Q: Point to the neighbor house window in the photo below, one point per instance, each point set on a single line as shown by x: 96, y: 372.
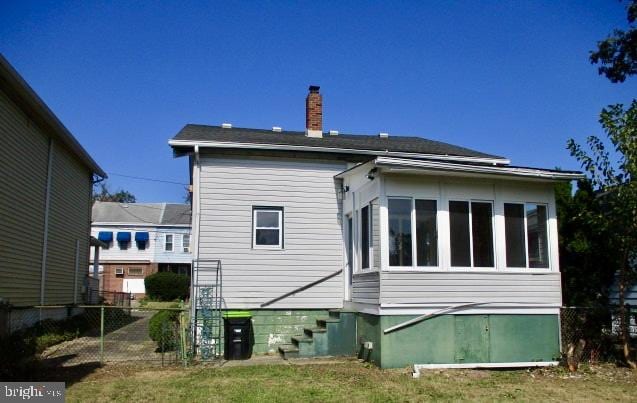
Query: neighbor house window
x: 365, y: 238
x: 471, y: 233
x: 267, y: 232
x: 186, y: 243
x: 426, y: 233
x: 526, y: 221
x: 399, y: 211
x: 135, y: 271
x: 168, y: 242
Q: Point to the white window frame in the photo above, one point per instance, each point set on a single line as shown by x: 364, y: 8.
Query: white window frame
x: 473, y: 268
x: 185, y: 249
x: 414, y: 237
x: 370, y: 256
x: 136, y: 267
x: 412, y: 223
x: 526, y: 237
x: 119, y: 271
x: 171, y: 243
x: 273, y: 209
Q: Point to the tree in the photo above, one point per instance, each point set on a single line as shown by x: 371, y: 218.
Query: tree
x: 102, y: 193
x: 611, y: 175
x: 617, y: 54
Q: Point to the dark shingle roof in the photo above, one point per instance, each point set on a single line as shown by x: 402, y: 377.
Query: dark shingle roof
x: 141, y: 213
x: 400, y: 144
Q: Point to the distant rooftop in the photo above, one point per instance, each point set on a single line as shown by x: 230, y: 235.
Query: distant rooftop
x: 142, y: 213
x: 371, y: 144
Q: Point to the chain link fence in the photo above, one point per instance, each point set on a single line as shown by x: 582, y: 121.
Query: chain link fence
x: 592, y: 335
x: 64, y: 336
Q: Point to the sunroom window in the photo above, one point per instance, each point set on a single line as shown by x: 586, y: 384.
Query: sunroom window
x: 267, y: 227
x: 399, y: 211
x: 426, y: 233
x: 526, y: 235
x: 365, y: 238
x: 471, y: 233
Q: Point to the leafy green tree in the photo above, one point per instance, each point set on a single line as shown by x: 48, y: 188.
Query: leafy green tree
x: 617, y: 54
x: 611, y: 176
x: 102, y: 193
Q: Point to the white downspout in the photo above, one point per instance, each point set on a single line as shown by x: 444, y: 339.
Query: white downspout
x: 45, y: 235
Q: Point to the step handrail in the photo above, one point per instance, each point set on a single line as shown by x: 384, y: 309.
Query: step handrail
x: 302, y: 288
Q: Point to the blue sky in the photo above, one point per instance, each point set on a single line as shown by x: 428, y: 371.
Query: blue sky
x: 508, y: 78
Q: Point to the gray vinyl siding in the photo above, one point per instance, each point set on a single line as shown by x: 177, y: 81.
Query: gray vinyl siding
x: 23, y: 169
x: 68, y: 222
x: 24, y: 164
x: 313, y: 237
x: 366, y: 288
x: 450, y: 288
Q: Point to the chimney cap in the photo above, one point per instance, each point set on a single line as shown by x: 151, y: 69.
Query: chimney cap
x: 226, y: 125
x: 314, y: 89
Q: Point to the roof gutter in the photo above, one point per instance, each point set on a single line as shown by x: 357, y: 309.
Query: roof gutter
x: 21, y: 93
x: 402, y: 164
x: 285, y: 147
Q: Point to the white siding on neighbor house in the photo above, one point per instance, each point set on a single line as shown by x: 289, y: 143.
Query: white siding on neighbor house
x: 313, y: 239
x: 630, y: 296
x: 366, y: 288
x: 450, y: 288
x: 154, y: 251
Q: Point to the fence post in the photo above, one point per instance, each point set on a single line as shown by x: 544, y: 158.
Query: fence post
x: 102, y: 335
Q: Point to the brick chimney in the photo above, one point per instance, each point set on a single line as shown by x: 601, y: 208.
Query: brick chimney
x: 314, y: 113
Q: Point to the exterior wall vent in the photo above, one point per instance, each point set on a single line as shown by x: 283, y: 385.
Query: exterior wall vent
x: 333, y: 132
x: 277, y: 129
x: 226, y: 125
x: 383, y: 135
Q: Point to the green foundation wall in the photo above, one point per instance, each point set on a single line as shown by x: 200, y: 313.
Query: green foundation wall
x: 460, y: 339
x: 273, y: 327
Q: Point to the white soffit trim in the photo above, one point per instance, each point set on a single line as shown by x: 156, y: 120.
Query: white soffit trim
x: 405, y: 165
x: 261, y: 146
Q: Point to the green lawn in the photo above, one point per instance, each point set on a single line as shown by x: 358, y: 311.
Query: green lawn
x: 352, y: 382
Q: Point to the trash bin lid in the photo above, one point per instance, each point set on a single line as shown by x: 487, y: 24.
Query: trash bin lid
x: 237, y: 314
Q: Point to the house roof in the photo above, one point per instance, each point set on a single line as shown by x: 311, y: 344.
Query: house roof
x: 141, y: 213
x: 23, y: 95
x: 415, y: 147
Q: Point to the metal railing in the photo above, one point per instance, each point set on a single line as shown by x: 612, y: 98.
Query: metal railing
x: 302, y: 288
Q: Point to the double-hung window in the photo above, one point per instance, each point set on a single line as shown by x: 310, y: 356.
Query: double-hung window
x: 168, y: 242
x: 186, y: 243
x: 526, y: 235
x: 471, y: 233
x: 267, y: 227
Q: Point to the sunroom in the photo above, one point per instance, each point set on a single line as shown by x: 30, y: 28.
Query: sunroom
x: 478, y: 243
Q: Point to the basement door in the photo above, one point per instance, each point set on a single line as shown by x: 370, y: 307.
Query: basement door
x: 472, y: 338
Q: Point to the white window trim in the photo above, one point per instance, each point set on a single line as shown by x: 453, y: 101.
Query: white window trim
x: 172, y: 242
x: 549, y: 245
x: 135, y: 267
x: 279, y: 211
x: 412, y: 223
x: 185, y: 249
x: 370, y: 256
x: 472, y: 268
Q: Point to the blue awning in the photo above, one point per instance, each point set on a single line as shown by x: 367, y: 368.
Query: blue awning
x: 123, y: 237
x: 141, y: 236
x: 105, y: 236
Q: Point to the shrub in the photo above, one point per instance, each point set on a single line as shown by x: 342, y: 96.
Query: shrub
x: 161, y: 329
x: 166, y: 286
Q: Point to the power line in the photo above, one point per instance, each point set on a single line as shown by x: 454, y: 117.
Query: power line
x: 148, y: 179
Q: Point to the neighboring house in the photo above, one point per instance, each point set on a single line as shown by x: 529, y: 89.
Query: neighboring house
x: 46, y: 181
x: 630, y: 299
x: 383, y: 230
x: 141, y: 239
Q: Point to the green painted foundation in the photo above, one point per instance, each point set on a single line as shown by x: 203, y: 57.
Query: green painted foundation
x: 462, y: 339
x: 273, y: 327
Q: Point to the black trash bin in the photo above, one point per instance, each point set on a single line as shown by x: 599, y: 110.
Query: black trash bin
x: 238, y: 336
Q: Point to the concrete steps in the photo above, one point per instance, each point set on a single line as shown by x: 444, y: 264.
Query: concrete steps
x: 332, y: 336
